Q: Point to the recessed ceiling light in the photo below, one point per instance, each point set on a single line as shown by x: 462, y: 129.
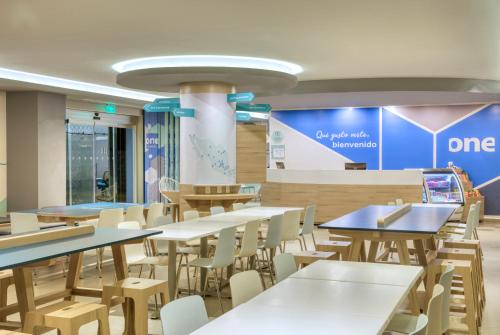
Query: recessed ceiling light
x: 208, y: 61
x: 41, y: 79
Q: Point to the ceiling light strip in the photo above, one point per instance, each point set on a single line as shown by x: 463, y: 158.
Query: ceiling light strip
x: 40, y: 79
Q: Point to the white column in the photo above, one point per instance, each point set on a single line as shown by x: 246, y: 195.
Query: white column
x: 208, y: 141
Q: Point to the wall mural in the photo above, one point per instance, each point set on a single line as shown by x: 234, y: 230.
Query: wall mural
x: 392, y: 138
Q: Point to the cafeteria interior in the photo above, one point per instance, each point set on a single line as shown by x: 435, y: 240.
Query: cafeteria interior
x: 239, y: 168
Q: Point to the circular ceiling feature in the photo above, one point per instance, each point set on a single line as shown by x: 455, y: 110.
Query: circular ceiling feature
x: 204, y: 61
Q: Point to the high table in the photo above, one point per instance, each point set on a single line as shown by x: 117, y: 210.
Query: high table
x: 420, y: 224
x: 20, y: 258
x: 202, y: 228
x: 74, y: 213
x: 327, y: 297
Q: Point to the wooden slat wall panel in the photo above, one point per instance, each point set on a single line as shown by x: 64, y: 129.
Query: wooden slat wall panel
x: 333, y: 201
x: 251, y: 160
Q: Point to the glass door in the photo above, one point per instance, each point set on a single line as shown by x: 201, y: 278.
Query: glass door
x: 99, y: 163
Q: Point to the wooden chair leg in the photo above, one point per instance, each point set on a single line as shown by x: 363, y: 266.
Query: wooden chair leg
x: 103, y: 319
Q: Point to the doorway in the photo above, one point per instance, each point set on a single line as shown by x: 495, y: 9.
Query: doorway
x: 100, y: 162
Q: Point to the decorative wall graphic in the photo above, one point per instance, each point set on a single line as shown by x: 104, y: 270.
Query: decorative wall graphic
x: 215, y: 154
x: 351, y: 132
x: 466, y: 135
x: 404, y: 144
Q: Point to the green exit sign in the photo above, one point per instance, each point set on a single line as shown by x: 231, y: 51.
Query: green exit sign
x: 106, y: 108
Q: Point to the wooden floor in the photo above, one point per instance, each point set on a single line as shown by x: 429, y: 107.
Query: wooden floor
x: 489, y: 235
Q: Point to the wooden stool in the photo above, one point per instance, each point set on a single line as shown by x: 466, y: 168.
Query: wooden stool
x: 468, y: 255
x: 342, y: 238
x: 6, y: 279
x: 138, y: 290
x: 307, y: 257
x: 340, y: 247
x: 464, y: 269
x: 68, y: 317
x: 8, y: 332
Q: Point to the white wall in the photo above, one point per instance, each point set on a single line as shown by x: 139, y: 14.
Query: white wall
x: 301, y: 152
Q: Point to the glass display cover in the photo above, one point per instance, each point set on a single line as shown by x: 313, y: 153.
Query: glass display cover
x: 444, y: 188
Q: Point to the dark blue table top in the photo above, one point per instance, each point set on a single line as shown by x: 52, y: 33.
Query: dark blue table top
x: 425, y: 220
x: 12, y: 257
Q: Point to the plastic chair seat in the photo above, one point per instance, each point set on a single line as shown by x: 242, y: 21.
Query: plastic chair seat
x: 188, y: 250
x: 202, y: 263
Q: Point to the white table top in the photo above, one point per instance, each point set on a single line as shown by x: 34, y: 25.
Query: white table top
x: 358, y: 272
x: 316, y: 300
x: 209, y: 225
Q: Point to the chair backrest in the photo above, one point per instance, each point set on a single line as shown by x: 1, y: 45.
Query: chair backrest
x: 250, y: 239
x: 309, y: 216
x: 244, y: 286
x: 23, y: 223
x: 469, y: 225
x: 400, y: 202
x: 421, y: 326
x: 478, y: 213
x: 284, y: 266
x: 110, y: 217
x: 445, y: 281
x: 163, y: 220
x: 274, y: 228
x: 216, y: 210
x: 155, y: 210
x: 191, y: 215
x: 134, y: 252
x: 224, y: 251
x: 391, y: 203
x: 238, y: 205
x: 291, y: 225
x: 183, y: 316
x: 434, y: 309
x: 136, y: 213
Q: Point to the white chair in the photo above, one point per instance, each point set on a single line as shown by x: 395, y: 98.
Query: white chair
x: 291, y: 228
x: 244, y: 286
x: 446, y: 280
x: 399, y: 202
x: 284, y: 266
x: 216, y: 210
x: 108, y: 218
x: 135, y: 253
x: 272, y: 241
x: 183, y: 316
x: 308, y: 225
x: 223, y: 257
x: 161, y: 246
x: 248, y: 248
x: 237, y: 206
x: 191, y: 215
x: 21, y: 223
x: 155, y: 210
x: 135, y: 213
x: 408, y: 324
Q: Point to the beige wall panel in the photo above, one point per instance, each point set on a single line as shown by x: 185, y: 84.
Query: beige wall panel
x: 333, y: 201
x: 251, y: 162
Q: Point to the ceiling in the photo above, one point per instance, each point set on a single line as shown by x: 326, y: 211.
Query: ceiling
x: 330, y: 39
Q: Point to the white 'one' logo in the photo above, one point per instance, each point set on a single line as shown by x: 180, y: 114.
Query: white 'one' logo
x: 487, y: 144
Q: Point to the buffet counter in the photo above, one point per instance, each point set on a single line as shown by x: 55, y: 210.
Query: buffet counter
x: 338, y: 192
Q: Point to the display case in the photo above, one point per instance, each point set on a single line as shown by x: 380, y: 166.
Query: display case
x: 442, y: 186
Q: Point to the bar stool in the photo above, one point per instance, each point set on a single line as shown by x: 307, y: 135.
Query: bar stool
x: 6, y: 279
x: 138, y: 290
x: 468, y: 255
x: 340, y: 247
x: 68, y: 317
x: 306, y: 257
x: 464, y: 269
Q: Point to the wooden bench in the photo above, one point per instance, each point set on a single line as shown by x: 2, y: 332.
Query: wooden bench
x: 307, y: 257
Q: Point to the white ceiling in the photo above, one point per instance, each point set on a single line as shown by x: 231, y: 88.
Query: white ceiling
x: 331, y: 39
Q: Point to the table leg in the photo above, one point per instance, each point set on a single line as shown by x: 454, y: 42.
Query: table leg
x: 372, y: 253
x: 357, y: 244
x: 121, y: 270
x: 73, y: 275
x: 419, y: 248
x: 203, y: 254
x: 172, y: 270
x: 23, y: 278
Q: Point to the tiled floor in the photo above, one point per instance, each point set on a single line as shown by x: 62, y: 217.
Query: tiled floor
x: 489, y: 235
